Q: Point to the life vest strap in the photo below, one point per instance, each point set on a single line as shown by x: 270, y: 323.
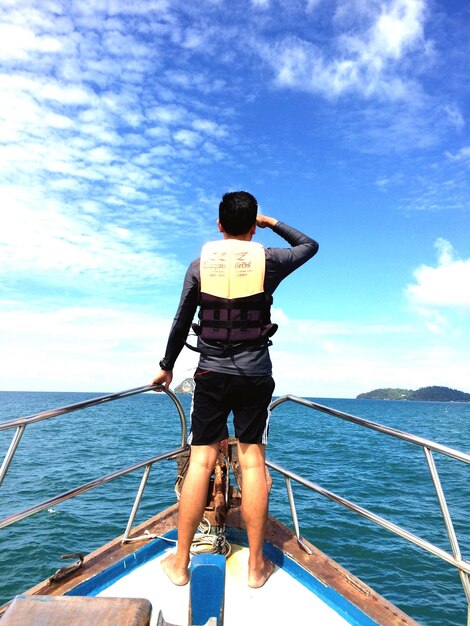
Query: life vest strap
x: 217, y: 323
x: 236, y: 304
x: 222, y: 349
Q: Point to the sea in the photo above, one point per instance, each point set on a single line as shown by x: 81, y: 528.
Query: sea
x: 388, y: 476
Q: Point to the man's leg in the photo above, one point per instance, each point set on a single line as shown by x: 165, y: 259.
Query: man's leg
x: 255, y: 509
x: 191, y: 509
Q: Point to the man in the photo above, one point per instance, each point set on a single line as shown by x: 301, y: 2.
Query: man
x: 232, y: 283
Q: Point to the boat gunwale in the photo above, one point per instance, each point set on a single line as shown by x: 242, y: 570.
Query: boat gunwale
x: 322, y: 567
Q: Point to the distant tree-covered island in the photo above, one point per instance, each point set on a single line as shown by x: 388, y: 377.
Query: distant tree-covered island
x: 434, y: 393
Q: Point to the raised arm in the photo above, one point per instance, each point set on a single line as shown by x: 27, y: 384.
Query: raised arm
x: 280, y: 262
x: 263, y: 221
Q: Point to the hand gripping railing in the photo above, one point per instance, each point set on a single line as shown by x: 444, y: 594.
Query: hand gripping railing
x: 429, y: 447
x: 21, y: 423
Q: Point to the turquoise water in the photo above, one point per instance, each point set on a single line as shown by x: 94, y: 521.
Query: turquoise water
x: 388, y: 476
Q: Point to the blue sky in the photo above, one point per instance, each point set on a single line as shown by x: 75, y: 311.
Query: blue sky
x: 122, y: 124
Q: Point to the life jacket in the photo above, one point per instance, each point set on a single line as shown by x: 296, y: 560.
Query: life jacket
x: 234, y: 309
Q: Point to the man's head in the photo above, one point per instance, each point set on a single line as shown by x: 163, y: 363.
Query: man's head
x: 237, y: 212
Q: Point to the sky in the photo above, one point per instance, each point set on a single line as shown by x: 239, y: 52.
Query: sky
x: 121, y: 126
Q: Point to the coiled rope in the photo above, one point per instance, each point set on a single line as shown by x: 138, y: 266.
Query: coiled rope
x: 203, y: 543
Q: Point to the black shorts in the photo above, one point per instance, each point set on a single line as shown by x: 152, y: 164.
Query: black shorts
x: 216, y: 394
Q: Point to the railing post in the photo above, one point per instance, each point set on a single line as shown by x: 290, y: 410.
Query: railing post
x: 137, y: 500
x: 294, y: 515
x: 11, y: 452
x: 464, y: 577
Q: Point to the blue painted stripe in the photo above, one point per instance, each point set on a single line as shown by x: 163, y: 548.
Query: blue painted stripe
x: 93, y: 586
x: 329, y: 596
x: 155, y: 548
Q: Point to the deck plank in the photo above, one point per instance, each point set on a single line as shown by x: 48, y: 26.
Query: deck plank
x: 77, y: 611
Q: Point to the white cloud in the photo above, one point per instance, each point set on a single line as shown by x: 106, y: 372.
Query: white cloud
x: 187, y: 137
x: 111, y: 349
x: 365, y: 62
x: 455, y: 115
x: 294, y: 331
x: 47, y: 239
x: 100, y: 155
x: 209, y: 127
x: 203, y: 83
x: 87, y: 127
x: 344, y: 359
x: 77, y: 349
x: 445, y: 285
x: 350, y: 370
x: 65, y: 94
x: 313, y: 4
x: 169, y: 114
x: 16, y: 42
x: 58, y: 121
x: 462, y: 155
x: 398, y: 28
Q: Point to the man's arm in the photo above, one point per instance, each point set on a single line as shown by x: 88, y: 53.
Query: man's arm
x: 181, y: 325
x: 280, y: 262
x: 262, y: 221
x: 163, y: 378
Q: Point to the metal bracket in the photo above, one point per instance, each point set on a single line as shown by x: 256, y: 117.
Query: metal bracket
x: 220, y: 540
x: 65, y: 571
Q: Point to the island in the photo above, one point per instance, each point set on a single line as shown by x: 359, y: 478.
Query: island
x: 431, y: 394
x: 187, y: 386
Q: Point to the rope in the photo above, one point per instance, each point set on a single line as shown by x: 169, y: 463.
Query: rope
x: 203, y: 543
x: 205, y: 526
x: 148, y: 535
x: 210, y: 544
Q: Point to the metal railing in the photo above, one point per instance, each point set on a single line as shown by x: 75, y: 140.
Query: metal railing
x: 21, y: 424
x: 454, y: 558
x: 429, y: 447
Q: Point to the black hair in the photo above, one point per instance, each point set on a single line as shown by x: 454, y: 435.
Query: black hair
x: 237, y: 212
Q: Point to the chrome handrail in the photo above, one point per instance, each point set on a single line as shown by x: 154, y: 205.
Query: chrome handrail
x: 21, y: 423
x: 386, y: 430
x: 428, y: 446
x: 97, y: 482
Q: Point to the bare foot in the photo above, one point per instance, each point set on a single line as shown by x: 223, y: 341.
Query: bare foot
x: 257, y: 577
x: 177, y: 575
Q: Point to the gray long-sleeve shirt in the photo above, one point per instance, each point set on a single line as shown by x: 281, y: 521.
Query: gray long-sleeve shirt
x: 280, y: 262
